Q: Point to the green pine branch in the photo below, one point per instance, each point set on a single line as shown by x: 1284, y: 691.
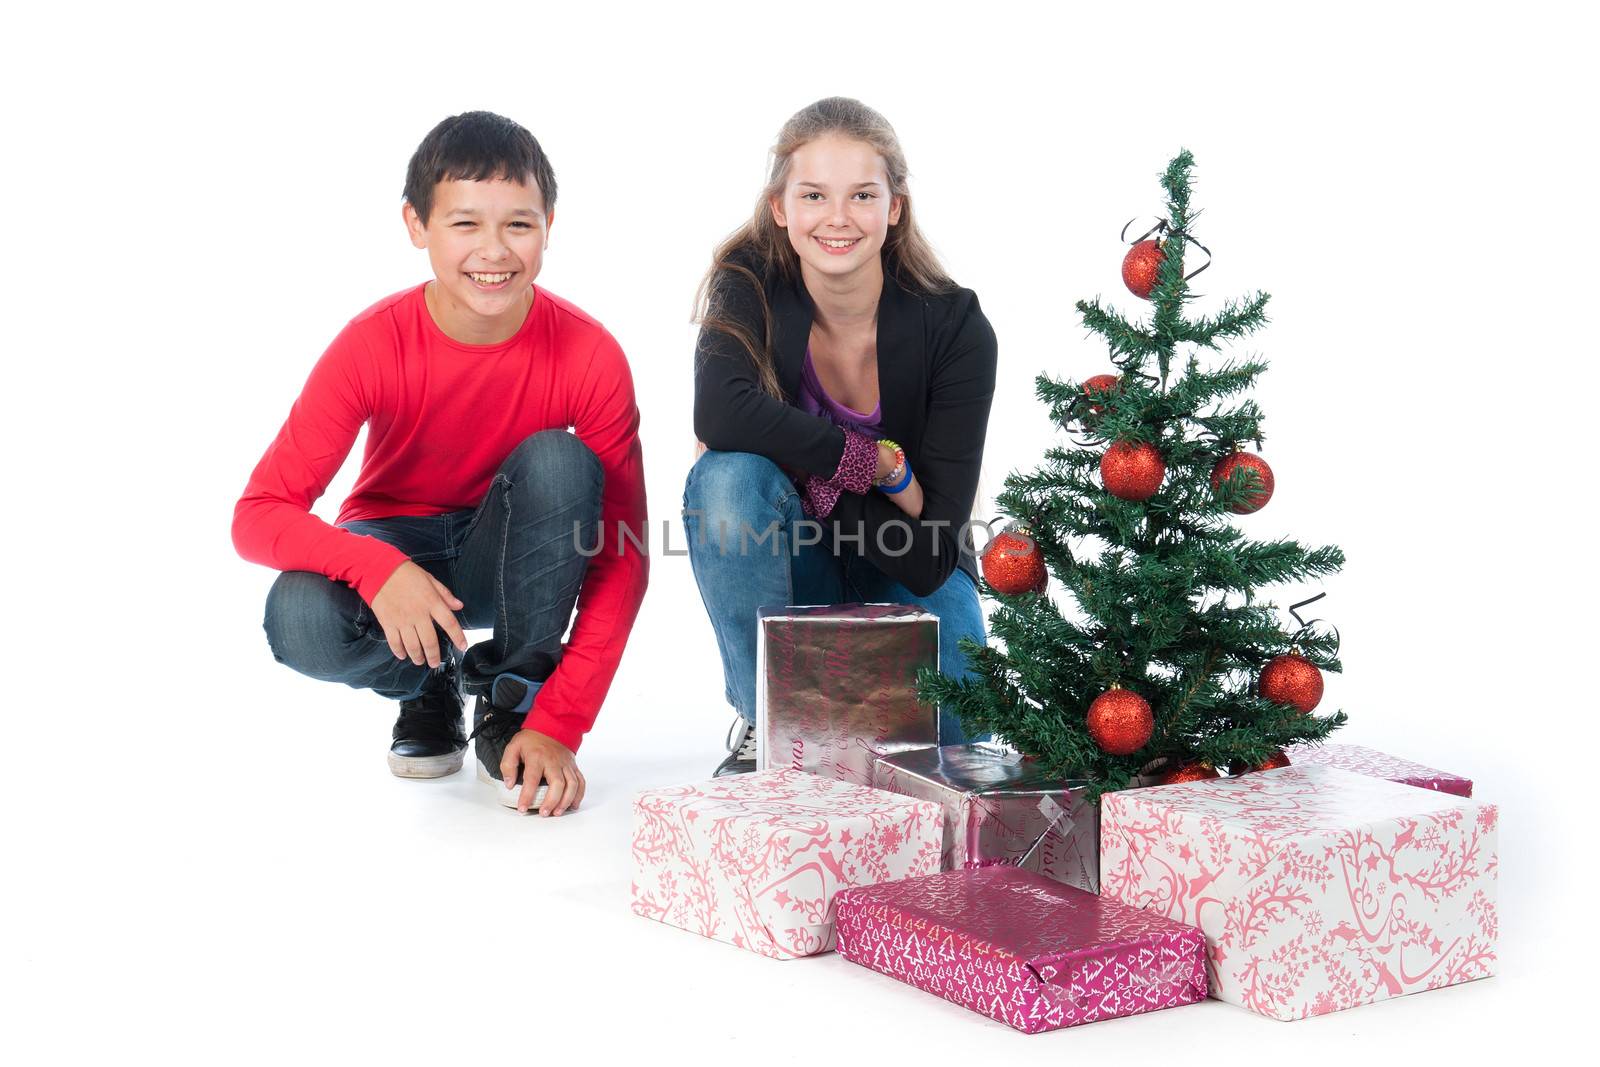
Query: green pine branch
x: 1123, y: 338
x: 1238, y: 318
x: 1176, y: 182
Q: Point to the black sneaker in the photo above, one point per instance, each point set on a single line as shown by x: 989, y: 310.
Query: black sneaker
x: 496, y: 718
x: 429, y: 739
x: 741, y: 749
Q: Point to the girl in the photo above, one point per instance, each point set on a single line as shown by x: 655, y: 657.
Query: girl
x: 842, y: 390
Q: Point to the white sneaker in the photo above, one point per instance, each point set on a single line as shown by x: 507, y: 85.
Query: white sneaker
x: 493, y: 730
x: 509, y: 797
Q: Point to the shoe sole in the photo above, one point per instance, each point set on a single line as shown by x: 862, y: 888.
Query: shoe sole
x: 426, y: 766
x: 508, y: 797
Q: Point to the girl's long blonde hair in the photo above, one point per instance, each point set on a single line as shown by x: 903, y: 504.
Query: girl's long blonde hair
x: 907, y: 255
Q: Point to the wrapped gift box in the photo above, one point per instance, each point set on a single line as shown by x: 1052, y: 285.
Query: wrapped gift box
x: 836, y: 686
x: 1317, y: 889
x: 1022, y: 949
x: 755, y: 859
x: 1379, y: 765
x: 999, y: 808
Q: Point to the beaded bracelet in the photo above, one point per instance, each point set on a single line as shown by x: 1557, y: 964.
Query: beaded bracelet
x: 905, y: 480
x: 899, y: 464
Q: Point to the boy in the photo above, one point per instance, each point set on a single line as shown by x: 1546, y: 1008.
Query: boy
x: 474, y: 506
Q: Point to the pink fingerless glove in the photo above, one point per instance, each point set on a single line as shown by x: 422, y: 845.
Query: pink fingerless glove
x: 857, y: 469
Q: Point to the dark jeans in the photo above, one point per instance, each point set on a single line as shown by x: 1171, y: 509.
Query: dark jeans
x: 513, y: 561
x: 739, y: 491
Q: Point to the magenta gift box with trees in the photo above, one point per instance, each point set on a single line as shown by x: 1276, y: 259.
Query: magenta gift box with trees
x: 1022, y: 949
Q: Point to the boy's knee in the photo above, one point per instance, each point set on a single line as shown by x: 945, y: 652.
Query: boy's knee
x: 305, y: 622
x: 555, y: 459
x: 729, y: 486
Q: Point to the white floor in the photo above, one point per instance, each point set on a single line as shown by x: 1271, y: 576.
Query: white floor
x: 288, y: 897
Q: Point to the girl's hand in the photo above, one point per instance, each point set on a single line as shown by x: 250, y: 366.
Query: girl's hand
x: 909, y: 499
x: 887, y: 461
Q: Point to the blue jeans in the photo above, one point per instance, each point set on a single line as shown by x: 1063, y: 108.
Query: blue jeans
x: 746, y: 495
x: 513, y: 561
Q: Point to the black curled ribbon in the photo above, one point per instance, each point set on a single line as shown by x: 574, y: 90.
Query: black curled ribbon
x: 1084, y: 438
x: 1128, y: 362
x: 1166, y: 229
x: 1081, y: 407
x: 1074, y: 420
x: 1225, y: 446
x: 1307, y: 629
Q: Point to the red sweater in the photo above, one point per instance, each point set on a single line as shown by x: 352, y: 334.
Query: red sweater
x: 442, y: 416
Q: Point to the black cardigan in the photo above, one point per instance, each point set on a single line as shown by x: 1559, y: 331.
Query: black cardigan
x: 936, y: 373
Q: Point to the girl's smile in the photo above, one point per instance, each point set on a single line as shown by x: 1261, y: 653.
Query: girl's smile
x: 836, y: 207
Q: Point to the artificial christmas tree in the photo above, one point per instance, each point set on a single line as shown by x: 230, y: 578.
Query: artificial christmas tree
x: 1135, y: 528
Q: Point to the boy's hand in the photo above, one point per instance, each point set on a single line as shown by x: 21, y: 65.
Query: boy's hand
x: 543, y: 757
x: 408, y: 605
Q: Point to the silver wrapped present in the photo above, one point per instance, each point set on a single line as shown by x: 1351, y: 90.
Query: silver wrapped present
x: 836, y: 686
x: 1001, y: 809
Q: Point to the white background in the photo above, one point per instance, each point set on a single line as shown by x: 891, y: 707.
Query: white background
x: 207, y: 858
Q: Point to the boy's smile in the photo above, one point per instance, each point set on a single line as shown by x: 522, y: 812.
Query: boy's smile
x: 485, y: 242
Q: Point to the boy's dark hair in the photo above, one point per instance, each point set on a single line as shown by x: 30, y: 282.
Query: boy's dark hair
x: 476, y: 146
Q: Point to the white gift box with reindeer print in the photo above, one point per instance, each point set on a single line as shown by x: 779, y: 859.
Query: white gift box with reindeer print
x: 1317, y: 889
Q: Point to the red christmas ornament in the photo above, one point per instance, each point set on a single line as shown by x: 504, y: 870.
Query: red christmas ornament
x: 1013, y: 564
x: 1099, y: 385
x: 1245, y: 461
x: 1141, y: 268
x: 1120, y: 721
x: 1132, y: 470
x: 1272, y: 762
x: 1197, y: 771
x: 1292, y: 679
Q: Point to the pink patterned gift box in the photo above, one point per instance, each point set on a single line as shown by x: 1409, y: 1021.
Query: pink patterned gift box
x: 1379, y: 765
x: 1317, y: 889
x: 1022, y: 949
x: 755, y: 859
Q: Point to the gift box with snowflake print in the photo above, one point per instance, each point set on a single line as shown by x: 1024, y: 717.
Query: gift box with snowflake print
x: 756, y: 859
x: 1317, y: 889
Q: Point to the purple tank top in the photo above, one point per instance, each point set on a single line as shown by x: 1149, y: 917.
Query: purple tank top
x: 814, y: 400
